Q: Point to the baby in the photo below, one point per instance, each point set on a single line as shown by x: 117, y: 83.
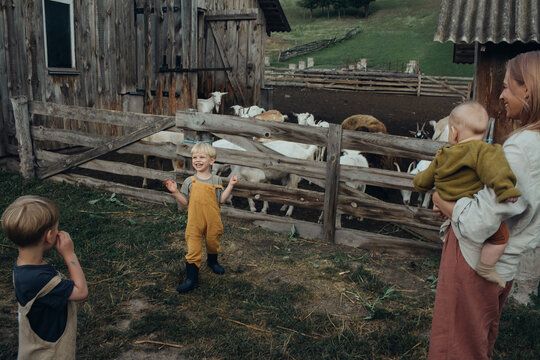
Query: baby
x: 463, y: 169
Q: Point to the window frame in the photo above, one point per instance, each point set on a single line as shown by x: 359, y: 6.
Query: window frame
x: 61, y: 70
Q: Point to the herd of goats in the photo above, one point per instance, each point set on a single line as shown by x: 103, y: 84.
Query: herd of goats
x: 303, y: 151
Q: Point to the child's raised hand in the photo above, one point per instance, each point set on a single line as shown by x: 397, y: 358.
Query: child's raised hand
x: 512, y: 199
x: 64, y: 244
x: 233, y: 180
x: 171, y: 185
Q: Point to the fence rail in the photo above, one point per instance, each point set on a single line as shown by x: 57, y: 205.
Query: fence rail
x: 328, y: 175
x: 381, y: 82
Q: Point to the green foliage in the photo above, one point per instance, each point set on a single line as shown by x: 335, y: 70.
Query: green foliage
x: 395, y: 32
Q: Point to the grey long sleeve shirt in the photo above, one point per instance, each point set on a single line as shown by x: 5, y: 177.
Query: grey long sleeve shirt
x: 474, y: 220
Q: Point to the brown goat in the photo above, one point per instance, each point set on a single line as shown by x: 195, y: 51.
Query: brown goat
x: 363, y: 122
x: 368, y: 123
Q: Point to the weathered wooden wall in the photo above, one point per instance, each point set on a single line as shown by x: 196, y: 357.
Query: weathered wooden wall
x: 234, y: 35
x: 127, y: 49
x: 488, y: 81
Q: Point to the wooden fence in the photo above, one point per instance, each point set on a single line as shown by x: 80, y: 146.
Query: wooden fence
x: 381, y: 82
x: 334, y: 196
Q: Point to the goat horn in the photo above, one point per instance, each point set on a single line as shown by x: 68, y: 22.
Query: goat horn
x: 397, y: 165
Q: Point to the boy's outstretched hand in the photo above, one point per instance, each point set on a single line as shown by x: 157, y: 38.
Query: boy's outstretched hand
x: 171, y: 185
x: 233, y: 180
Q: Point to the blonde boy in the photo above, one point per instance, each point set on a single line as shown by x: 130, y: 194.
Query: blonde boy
x: 203, y: 194
x: 465, y: 167
x: 47, y: 312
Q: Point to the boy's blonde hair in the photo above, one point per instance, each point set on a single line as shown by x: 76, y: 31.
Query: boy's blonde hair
x: 471, y: 115
x: 28, y: 218
x: 204, y: 148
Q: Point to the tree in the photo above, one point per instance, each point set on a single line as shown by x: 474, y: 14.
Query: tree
x: 309, y: 4
x: 340, y: 4
x: 361, y: 4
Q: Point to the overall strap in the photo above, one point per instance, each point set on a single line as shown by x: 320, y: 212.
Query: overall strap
x: 44, y: 291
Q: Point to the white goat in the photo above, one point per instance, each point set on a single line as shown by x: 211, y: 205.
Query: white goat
x: 246, y: 112
x: 351, y: 158
x: 414, y: 169
x: 441, y: 129
x: 163, y: 137
x: 213, y: 102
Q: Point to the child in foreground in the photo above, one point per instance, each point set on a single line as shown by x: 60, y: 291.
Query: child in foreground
x: 463, y: 169
x: 47, y: 311
x: 203, y: 194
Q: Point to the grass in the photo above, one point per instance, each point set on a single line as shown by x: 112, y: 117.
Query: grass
x: 395, y: 32
x: 281, y: 297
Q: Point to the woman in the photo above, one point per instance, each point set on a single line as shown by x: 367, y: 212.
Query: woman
x: 467, y: 307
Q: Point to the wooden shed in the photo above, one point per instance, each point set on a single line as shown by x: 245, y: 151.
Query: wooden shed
x: 488, y: 33
x: 153, y: 56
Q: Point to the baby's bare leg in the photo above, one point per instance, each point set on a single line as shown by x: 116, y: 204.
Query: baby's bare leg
x: 488, y: 258
x: 491, y: 253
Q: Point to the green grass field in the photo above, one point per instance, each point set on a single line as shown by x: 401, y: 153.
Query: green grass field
x: 395, y: 32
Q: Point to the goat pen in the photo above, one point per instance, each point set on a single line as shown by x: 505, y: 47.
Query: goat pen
x: 36, y: 161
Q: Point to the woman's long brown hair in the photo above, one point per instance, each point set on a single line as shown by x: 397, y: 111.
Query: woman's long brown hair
x: 524, y: 69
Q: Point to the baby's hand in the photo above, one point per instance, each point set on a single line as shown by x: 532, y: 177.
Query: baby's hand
x: 512, y: 199
x: 171, y: 185
x: 233, y: 180
x: 64, y: 244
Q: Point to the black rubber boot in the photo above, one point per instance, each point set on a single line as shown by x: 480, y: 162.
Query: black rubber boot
x: 192, y: 279
x: 211, y: 260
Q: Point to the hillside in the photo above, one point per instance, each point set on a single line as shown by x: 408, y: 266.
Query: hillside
x: 395, y: 32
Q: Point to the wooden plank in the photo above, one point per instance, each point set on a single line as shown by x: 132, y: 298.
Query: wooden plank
x: 112, y: 145
x: 111, y: 167
x: 24, y: 138
x: 111, y: 117
x: 348, y: 237
x: 332, y: 181
x: 153, y: 196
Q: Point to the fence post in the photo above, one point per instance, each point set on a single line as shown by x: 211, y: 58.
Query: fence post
x: 332, y: 181
x: 24, y: 138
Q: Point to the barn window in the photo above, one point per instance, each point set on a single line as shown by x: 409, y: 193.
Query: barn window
x: 59, y: 34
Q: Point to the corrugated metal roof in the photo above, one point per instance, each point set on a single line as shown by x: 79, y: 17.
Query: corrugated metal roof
x: 275, y: 16
x: 467, y: 21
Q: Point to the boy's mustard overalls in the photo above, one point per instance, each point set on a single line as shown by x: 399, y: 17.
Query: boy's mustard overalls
x: 204, y: 219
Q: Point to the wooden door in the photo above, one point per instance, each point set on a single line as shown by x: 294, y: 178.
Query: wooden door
x: 232, y: 39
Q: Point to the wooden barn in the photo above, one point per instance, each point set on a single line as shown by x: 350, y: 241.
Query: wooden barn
x: 152, y: 56
x: 488, y: 33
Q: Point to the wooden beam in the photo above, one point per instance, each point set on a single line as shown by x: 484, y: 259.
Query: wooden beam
x: 24, y: 138
x: 111, y: 145
x: 110, y: 117
x: 332, y: 181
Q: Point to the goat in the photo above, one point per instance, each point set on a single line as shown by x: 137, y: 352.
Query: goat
x: 420, y: 133
x: 351, y: 158
x: 246, y: 112
x: 441, y: 129
x: 414, y: 169
x: 363, y: 122
x: 368, y: 123
x: 213, y: 102
x: 161, y: 138
x: 271, y: 115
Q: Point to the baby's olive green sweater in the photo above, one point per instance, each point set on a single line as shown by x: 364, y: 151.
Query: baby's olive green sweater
x: 463, y: 169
